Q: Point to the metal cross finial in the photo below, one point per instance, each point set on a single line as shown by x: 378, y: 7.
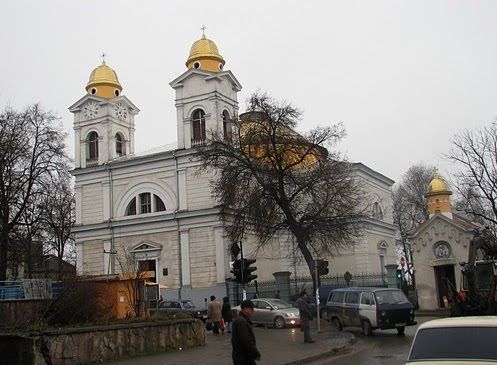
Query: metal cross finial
x: 103, y: 57
x: 203, y: 28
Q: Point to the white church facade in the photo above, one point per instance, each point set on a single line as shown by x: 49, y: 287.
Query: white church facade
x: 156, y: 204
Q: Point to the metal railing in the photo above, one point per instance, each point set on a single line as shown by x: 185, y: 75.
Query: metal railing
x: 29, y: 289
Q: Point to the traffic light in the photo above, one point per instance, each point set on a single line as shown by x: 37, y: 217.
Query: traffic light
x: 398, y: 277
x: 247, y: 269
x: 237, y: 271
x: 323, y: 267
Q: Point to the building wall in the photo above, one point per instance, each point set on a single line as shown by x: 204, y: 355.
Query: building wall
x: 92, y: 203
x: 425, y: 261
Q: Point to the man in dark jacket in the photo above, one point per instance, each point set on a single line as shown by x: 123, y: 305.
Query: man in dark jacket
x: 243, y: 339
x: 305, y: 316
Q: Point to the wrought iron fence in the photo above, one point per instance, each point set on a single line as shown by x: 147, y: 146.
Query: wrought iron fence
x: 269, y: 289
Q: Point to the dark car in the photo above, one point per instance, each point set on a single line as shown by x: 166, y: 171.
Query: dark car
x: 182, y: 306
x: 370, y: 308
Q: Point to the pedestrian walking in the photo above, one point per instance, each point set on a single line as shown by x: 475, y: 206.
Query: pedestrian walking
x: 214, y: 314
x: 305, y: 316
x: 227, y: 315
x: 245, y: 351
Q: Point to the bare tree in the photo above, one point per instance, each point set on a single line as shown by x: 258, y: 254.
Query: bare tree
x: 58, y: 218
x: 475, y: 155
x: 410, y: 206
x: 134, y: 278
x: 31, y: 148
x: 271, y: 180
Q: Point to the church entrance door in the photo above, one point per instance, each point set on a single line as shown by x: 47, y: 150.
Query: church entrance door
x: 441, y: 272
x: 148, y: 266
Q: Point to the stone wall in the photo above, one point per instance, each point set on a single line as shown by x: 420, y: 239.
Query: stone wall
x: 98, y: 344
x: 19, y: 313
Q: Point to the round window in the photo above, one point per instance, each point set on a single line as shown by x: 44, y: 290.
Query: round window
x: 116, y: 92
x: 220, y: 66
x: 93, y: 91
x: 196, y: 65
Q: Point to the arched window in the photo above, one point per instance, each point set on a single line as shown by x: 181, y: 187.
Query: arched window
x: 382, y: 253
x: 145, y: 204
x: 159, y: 204
x: 227, y: 126
x: 131, y: 208
x: 377, y: 213
x: 198, y: 126
x: 120, y: 147
x: 92, y: 148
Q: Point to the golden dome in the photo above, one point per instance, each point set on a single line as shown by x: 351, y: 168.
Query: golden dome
x: 437, y: 186
x: 204, y: 55
x: 103, y: 82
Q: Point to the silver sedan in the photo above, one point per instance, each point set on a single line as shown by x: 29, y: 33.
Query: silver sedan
x: 273, y: 312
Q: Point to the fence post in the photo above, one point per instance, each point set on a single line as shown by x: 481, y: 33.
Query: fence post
x: 282, y: 279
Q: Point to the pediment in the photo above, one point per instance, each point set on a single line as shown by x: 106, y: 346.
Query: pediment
x: 435, y: 221
x: 179, y: 81
x: 77, y: 106
x: 145, y: 246
x: 85, y: 99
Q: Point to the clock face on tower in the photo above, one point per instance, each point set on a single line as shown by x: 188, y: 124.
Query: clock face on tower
x: 90, y: 110
x: 121, y: 111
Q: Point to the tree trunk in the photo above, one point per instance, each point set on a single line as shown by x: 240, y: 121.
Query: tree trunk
x: 4, y: 243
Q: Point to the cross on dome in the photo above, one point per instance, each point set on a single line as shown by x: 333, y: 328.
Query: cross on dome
x: 203, y: 28
x: 103, y: 58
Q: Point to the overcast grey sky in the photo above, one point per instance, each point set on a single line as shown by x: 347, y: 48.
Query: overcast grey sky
x: 403, y: 76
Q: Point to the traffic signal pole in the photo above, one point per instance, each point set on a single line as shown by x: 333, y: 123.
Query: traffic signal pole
x: 242, y: 268
x: 318, y: 314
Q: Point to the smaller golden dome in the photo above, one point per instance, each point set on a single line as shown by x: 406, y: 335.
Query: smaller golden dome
x: 103, y: 82
x: 204, y: 55
x: 437, y: 186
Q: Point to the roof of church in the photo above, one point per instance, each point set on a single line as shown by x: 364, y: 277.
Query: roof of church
x: 154, y: 151
x: 457, y: 220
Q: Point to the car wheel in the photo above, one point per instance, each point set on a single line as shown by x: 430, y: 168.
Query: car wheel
x: 401, y: 330
x: 366, y: 328
x: 337, y: 325
x: 279, y: 322
x: 324, y: 314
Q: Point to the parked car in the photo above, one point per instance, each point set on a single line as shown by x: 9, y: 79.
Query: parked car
x: 181, y: 306
x: 462, y: 340
x: 273, y: 312
x: 370, y: 309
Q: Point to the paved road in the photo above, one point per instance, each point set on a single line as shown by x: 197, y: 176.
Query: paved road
x: 383, y: 348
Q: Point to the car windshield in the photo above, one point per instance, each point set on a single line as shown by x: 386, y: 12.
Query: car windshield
x: 279, y: 304
x: 188, y: 304
x: 390, y: 297
x: 455, y: 343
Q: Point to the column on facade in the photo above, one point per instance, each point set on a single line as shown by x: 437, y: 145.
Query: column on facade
x: 220, y: 254
x: 185, y: 258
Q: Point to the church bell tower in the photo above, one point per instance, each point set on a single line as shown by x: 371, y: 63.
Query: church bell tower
x: 206, y: 96
x: 104, y: 123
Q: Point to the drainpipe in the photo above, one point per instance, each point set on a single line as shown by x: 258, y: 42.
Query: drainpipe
x: 112, y: 263
x: 180, y: 267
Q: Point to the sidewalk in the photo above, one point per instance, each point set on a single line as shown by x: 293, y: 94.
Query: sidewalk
x: 278, y: 347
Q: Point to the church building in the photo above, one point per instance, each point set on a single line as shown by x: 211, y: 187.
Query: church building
x: 156, y: 206
x: 438, y: 246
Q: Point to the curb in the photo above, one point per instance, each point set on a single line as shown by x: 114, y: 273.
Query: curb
x: 334, y: 351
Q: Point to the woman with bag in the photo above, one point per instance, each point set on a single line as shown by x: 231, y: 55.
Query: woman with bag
x: 227, y: 315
